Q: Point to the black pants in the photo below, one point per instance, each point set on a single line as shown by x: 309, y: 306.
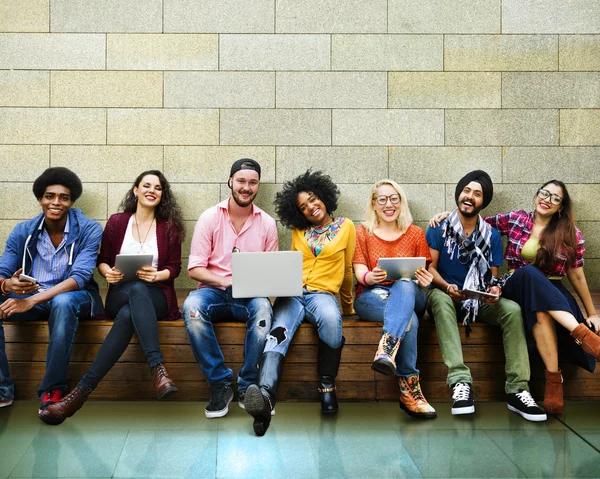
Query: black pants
x: 135, y: 307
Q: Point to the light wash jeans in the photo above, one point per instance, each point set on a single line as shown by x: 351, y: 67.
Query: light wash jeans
x: 63, y: 312
x: 206, y: 306
x: 397, y: 306
x: 318, y: 308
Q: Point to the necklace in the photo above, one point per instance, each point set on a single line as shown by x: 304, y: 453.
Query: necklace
x: 137, y: 227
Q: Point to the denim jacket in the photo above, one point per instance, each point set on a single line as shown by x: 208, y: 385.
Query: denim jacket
x: 82, y: 244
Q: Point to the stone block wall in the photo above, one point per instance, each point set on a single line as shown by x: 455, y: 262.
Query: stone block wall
x: 419, y: 91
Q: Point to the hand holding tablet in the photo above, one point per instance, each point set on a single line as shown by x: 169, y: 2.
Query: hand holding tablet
x: 401, y: 268
x: 129, y: 264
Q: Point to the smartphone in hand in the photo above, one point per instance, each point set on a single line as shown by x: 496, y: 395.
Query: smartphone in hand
x: 26, y: 277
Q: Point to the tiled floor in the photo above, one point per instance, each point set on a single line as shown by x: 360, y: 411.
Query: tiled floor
x: 375, y: 440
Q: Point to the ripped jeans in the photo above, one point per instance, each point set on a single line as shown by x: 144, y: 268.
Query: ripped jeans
x: 397, y: 306
x: 206, y: 306
x: 318, y: 308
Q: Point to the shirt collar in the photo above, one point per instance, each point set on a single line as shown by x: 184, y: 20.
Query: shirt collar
x: 65, y: 231
x: 224, y: 205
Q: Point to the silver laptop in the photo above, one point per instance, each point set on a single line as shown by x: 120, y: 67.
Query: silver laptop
x: 270, y: 274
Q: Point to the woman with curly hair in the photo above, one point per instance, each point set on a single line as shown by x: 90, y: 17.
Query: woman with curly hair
x: 151, y: 223
x: 388, y: 232
x: 306, y: 204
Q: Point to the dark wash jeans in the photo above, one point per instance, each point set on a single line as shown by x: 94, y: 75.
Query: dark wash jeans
x: 135, y: 307
x: 63, y: 312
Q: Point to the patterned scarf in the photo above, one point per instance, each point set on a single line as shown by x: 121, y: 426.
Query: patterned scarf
x: 475, y: 251
x: 318, y: 236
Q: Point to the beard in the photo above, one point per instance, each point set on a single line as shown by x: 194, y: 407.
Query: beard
x: 469, y: 214
x: 239, y: 201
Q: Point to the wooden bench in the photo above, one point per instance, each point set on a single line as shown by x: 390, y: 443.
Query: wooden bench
x: 130, y: 379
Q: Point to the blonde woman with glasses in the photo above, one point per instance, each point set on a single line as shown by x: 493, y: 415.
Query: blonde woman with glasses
x: 388, y: 232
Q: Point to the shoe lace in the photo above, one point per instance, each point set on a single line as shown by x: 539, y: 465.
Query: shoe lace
x: 217, y: 395
x: 461, y: 392
x: 526, y: 398
x: 415, y: 388
x: 389, y: 342
x: 76, y: 394
x: 160, y: 371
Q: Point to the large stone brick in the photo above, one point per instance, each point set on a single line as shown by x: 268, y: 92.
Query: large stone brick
x: 13, y: 157
x: 585, y: 209
x: 443, y: 164
x: 52, y: 125
x: 331, y: 90
x: 211, y: 164
x: 274, y: 52
x: 538, y: 164
x: 387, y: 52
x: 220, y: 89
x: 24, y: 88
x: 275, y: 127
x: 388, y: 127
x: 550, y: 16
x: 107, y: 89
x: 123, y: 16
x: 579, y: 52
x: 57, y: 51
x: 194, y: 199
x: 444, y: 16
x: 94, y: 200
x: 444, y: 90
x: 98, y: 163
x: 162, y: 52
x: 551, y: 90
x: 500, y: 52
x: 580, y: 127
x: 222, y: 16
x: 155, y: 126
x: 24, y: 16
x: 332, y: 16
x: 501, y: 127
x: 343, y: 164
x: 18, y: 203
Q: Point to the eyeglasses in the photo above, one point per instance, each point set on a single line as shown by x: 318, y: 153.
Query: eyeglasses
x: 545, y: 194
x: 382, y: 200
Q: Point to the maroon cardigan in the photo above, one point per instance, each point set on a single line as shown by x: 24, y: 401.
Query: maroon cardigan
x: 169, y: 254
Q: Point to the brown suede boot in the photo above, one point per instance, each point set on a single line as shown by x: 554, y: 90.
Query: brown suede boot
x: 589, y: 341
x: 56, y: 413
x: 553, y: 397
x: 163, y: 384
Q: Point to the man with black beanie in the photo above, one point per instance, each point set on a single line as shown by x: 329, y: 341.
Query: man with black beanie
x: 466, y: 253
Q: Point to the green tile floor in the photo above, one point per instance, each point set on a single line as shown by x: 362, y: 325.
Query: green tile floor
x: 366, y: 440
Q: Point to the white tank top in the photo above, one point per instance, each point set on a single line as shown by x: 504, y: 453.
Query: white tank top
x: 131, y: 246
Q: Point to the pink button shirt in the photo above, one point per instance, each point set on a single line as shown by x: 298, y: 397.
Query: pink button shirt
x: 215, y: 238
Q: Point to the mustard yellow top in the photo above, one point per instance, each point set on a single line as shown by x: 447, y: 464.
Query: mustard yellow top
x: 331, y: 270
x: 529, y: 252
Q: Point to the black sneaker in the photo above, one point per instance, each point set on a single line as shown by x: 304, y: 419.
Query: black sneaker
x: 220, y: 397
x: 522, y: 403
x: 462, y: 394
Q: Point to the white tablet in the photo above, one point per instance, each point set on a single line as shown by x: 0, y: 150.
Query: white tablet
x: 401, y: 268
x: 129, y: 264
x: 471, y: 293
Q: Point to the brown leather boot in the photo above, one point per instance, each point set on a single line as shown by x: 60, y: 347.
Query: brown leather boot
x: 56, y: 413
x: 553, y: 397
x: 412, y: 400
x: 163, y: 384
x: 589, y: 341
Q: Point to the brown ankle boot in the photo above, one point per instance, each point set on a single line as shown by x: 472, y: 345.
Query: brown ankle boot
x: 385, y: 357
x: 589, y: 341
x: 163, y: 384
x: 56, y: 413
x: 553, y: 397
x: 412, y: 400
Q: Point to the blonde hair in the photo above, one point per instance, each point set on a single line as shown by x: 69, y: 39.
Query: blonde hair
x: 404, y: 218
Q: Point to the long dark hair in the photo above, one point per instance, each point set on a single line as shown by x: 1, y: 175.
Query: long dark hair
x: 167, y: 209
x: 560, y: 236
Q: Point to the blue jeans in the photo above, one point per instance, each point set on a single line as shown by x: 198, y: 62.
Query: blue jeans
x: 206, y: 306
x: 318, y: 308
x: 397, y: 306
x: 63, y: 313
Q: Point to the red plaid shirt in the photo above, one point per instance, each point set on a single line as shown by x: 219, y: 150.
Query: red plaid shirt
x: 516, y: 226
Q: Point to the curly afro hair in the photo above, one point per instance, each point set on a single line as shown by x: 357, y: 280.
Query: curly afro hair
x: 317, y: 183
x: 58, y: 176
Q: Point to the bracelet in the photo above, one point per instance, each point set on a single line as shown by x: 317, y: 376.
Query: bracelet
x: 2, y: 287
x: 364, y: 278
x: 448, y: 288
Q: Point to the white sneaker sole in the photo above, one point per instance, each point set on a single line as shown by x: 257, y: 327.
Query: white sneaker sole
x: 529, y: 417
x: 6, y: 403
x: 241, y: 404
x: 221, y: 413
x: 463, y: 410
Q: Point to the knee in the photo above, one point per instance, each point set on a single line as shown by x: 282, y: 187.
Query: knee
x: 278, y: 336
x: 64, y: 302
x: 510, y: 310
x: 136, y: 288
x: 404, y: 287
x: 193, y: 309
x: 260, y: 312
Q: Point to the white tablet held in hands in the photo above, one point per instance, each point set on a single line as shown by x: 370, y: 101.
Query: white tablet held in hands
x: 129, y: 264
x: 401, y: 268
x: 471, y: 293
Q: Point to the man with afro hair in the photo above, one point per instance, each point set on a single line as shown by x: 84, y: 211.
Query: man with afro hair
x: 47, y: 272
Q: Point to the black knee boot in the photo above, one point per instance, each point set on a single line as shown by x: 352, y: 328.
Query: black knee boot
x: 260, y: 399
x: 329, y: 364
